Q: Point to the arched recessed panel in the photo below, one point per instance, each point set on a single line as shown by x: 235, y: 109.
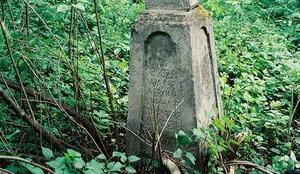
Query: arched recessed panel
x: 160, y: 83
x: 160, y: 48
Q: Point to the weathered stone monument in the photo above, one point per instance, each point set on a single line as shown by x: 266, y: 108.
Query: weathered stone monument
x: 173, y: 75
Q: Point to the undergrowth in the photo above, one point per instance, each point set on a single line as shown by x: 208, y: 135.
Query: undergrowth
x: 71, y: 81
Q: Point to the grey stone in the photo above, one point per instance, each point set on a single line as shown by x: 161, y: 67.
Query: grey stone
x: 171, y: 4
x: 173, y: 78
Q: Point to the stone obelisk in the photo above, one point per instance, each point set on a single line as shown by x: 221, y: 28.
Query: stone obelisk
x: 173, y: 75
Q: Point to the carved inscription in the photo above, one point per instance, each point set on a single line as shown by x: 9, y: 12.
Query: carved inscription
x: 162, y: 90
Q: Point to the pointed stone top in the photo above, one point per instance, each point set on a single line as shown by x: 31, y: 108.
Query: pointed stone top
x: 183, y: 5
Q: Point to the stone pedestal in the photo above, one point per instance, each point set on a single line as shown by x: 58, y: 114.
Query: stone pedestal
x: 173, y: 77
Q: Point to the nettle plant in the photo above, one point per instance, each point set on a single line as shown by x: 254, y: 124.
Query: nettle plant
x: 227, y: 144
x: 72, y: 163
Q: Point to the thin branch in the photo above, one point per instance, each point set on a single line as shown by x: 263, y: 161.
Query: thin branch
x: 292, y: 117
x: 247, y: 163
x: 169, y: 117
x: 37, y: 127
x: 15, y: 66
x: 11, y: 16
x: 74, y: 73
x: 88, y: 126
x: 49, y: 29
x: 3, y: 171
x: 105, y: 76
x: 28, y: 162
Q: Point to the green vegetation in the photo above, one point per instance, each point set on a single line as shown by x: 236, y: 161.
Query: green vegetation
x: 64, y: 84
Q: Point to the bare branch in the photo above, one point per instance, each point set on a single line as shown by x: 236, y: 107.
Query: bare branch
x: 37, y: 127
x: 28, y: 162
x: 247, y: 163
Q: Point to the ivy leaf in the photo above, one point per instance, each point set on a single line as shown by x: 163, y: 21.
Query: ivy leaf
x: 47, y: 153
x: 183, y: 138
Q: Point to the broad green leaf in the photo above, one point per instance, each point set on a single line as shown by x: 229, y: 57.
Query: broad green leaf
x: 248, y: 97
x: 133, y: 159
x: 59, y: 162
x: 33, y: 169
x: 118, y: 154
x: 177, y: 153
x: 114, y: 166
x: 130, y: 169
x: 117, y: 167
x: 110, y: 165
x: 277, y: 151
x: 191, y: 157
x: 78, y: 163
x: 183, y: 138
x: 73, y: 153
x: 95, y: 166
x: 13, y: 169
x: 219, y: 124
x: 288, y: 146
x: 101, y: 156
x: 198, y: 133
x: 47, y: 152
x: 123, y: 159
x: 117, y: 51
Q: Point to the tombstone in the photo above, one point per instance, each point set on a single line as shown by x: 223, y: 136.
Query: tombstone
x: 173, y: 75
